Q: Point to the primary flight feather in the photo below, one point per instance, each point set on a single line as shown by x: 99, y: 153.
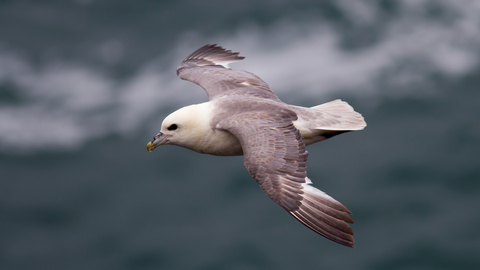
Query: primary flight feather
x: 244, y: 117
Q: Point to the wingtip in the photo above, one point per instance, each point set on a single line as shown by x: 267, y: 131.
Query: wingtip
x: 340, y: 236
x: 218, y: 48
x: 212, y: 54
x: 324, y: 215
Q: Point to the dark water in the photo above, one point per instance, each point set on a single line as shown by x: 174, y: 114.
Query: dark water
x: 85, y: 84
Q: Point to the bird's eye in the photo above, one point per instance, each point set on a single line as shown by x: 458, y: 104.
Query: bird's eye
x: 172, y: 127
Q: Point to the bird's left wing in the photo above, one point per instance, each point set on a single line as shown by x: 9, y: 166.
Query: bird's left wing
x: 275, y: 157
x: 208, y: 67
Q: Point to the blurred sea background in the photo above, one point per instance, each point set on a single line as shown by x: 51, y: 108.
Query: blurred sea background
x: 85, y: 84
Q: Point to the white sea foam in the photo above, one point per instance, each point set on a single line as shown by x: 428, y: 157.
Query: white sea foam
x: 62, y: 105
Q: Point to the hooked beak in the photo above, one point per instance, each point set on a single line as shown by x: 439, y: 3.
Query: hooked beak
x: 158, y: 140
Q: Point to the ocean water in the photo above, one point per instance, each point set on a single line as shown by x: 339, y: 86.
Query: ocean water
x: 85, y: 84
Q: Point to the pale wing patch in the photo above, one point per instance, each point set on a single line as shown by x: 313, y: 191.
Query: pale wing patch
x: 308, y: 188
x: 223, y: 63
x: 245, y: 83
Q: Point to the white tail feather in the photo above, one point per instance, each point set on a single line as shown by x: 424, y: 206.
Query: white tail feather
x: 341, y: 110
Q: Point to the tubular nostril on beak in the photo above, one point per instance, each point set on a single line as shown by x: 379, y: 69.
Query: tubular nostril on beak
x: 158, y: 140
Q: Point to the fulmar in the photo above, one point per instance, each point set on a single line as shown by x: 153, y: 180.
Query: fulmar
x: 244, y: 117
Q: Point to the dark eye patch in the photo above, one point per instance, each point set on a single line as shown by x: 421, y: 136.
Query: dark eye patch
x: 172, y: 127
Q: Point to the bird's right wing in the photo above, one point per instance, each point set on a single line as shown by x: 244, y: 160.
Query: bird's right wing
x: 275, y: 157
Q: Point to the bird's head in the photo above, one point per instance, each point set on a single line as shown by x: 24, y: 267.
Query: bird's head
x: 182, y: 128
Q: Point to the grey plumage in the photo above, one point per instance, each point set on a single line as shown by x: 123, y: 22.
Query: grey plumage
x: 207, y: 68
x: 271, y: 135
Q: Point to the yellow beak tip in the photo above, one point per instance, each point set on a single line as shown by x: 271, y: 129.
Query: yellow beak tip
x: 149, y: 147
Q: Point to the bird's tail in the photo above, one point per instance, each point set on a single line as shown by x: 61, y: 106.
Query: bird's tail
x: 341, y: 110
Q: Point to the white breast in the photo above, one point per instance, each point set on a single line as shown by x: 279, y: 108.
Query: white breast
x: 222, y: 143
x: 206, y: 139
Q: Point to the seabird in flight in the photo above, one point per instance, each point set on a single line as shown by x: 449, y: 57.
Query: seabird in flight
x: 244, y: 117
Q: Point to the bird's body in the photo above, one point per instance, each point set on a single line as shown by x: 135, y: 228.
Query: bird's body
x: 208, y: 138
x: 244, y: 117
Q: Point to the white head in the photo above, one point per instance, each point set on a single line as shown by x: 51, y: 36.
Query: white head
x: 184, y: 127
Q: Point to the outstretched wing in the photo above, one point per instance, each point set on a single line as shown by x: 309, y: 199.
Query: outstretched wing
x: 208, y: 67
x: 275, y: 157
